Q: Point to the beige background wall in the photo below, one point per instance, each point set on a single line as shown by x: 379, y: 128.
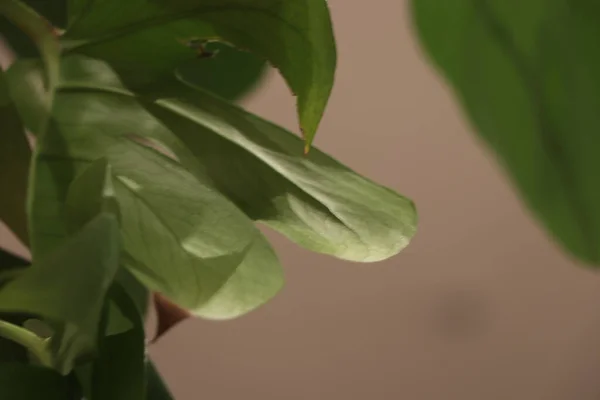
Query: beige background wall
x: 482, y: 306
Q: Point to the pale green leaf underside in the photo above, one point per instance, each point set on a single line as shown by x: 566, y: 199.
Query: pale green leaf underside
x: 313, y: 200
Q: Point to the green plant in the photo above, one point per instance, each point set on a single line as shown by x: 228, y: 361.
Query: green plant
x: 146, y: 180
x: 526, y: 75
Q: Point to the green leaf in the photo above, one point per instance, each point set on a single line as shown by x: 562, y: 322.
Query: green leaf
x: 118, y: 373
x: 27, y: 382
x: 187, y: 241
x: 60, y: 290
x: 91, y: 193
x: 180, y: 237
x: 155, y: 386
x: 55, y: 11
x: 527, y: 77
x: 15, y: 156
x: 314, y: 200
x: 10, y: 266
x: 230, y: 74
x: 143, y: 39
x: 43, y: 35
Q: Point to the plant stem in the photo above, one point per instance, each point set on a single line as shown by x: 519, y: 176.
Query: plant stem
x: 29, y: 340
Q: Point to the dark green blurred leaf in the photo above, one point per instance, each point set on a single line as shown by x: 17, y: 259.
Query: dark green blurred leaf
x: 9, y: 350
x: 15, y: 156
x: 155, y: 386
x: 68, y: 294
x: 527, y: 75
x: 9, y: 260
x: 54, y: 11
x: 143, y: 39
x: 118, y: 373
x: 28, y: 382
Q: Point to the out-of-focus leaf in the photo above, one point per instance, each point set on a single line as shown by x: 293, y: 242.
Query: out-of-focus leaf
x: 155, y: 386
x: 9, y: 260
x: 118, y: 373
x: 15, y: 156
x: 68, y: 288
x: 143, y: 39
x: 43, y: 35
x: 314, y: 200
x: 55, y: 11
x: 27, y: 382
x: 527, y: 75
x: 10, y: 266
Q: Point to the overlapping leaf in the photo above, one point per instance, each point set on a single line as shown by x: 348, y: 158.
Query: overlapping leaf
x: 314, y: 200
x: 143, y: 39
x: 527, y: 77
x: 69, y: 287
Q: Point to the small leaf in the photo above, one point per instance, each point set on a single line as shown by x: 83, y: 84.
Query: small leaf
x: 527, y: 77
x: 60, y: 290
x: 144, y: 39
x: 27, y: 382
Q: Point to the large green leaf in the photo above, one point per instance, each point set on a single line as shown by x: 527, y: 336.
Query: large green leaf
x: 15, y: 156
x: 527, y: 76
x: 313, y: 199
x: 180, y: 237
x: 143, y: 39
x: 27, y: 382
x: 67, y: 288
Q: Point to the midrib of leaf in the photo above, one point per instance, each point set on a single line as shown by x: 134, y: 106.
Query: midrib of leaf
x: 166, y: 19
x: 80, y: 86
x: 547, y: 133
